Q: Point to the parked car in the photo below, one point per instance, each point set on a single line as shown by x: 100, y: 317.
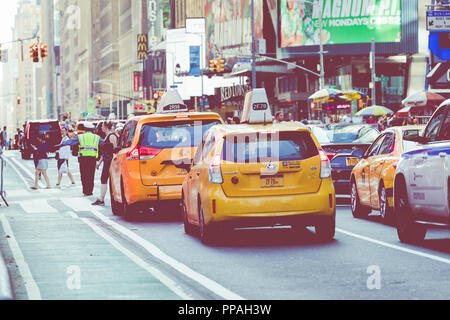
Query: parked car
x: 146, y: 171
x: 422, y: 180
x: 51, y: 129
x: 372, y: 179
x: 255, y: 174
x: 344, y: 144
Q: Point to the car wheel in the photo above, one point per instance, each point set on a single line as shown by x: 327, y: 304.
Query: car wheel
x: 407, y: 230
x: 326, y: 228
x: 188, y: 228
x: 385, y: 209
x: 206, y: 232
x: 115, y: 207
x: 358, y: 210
x: 127, y: 211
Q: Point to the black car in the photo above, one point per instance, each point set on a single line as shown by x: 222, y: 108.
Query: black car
x: 51, y: 129
x: 344, y: 143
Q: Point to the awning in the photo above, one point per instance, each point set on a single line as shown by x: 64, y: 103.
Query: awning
x: 403, y: 112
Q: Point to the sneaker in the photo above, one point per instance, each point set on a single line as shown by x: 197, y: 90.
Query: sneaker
x: 98, y: 203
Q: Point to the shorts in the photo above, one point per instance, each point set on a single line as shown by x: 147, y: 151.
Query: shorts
x: 105, y: 172
x: 42, y: 164
x: 61, y: 161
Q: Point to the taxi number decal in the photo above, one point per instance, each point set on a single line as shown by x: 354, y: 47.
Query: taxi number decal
x: 260, y: 106
x: 292, y: 164
x: 173, y: 107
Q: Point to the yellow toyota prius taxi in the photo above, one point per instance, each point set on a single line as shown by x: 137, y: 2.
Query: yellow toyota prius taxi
x: 258, y: 174
x: 372, y: 179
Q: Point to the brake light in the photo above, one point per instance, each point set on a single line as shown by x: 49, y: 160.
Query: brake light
x: 325, y: 166
x: 215, y: 172
x: 142, y: 153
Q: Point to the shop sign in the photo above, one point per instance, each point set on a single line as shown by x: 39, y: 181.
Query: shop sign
x: 227, y: 93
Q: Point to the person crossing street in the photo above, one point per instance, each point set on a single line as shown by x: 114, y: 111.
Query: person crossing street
x: 88, y: 144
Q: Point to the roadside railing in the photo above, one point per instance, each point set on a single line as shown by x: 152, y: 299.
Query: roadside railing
x: 2, y: 191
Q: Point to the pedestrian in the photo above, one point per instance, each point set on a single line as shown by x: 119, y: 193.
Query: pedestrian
x: 107, y: 150
x: 41, y: 158
x: 4, y: 138
x: 279, y: 117
x: 63, y: 159
x: 88, y: 144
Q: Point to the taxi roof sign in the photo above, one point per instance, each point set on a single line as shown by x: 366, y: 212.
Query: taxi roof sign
x: 171, y: 102
x: 256, y: 107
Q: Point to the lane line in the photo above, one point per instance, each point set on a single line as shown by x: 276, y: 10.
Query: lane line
x: 169, y: 283
x: 31, y: 287
x: 32, y: 177
x: 180, y: 267
x: 393, y: 246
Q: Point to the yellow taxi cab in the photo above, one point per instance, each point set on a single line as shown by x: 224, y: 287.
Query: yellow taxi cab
x: 372, y: 179
x: 259, y: 174
x: 147, y: 169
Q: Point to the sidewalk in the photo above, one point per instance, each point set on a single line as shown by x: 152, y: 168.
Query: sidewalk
x: 5, y: 282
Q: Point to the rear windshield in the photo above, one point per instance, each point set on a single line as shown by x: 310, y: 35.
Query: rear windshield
x: 281, y: 146
x: 42, y: 128
x: 176, y: 134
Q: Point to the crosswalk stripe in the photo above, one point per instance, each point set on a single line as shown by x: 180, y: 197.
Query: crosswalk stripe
x: 37, y: 206
x: 78, y: 204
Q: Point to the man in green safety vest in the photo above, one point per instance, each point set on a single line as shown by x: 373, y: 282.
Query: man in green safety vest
x: 88, y: 145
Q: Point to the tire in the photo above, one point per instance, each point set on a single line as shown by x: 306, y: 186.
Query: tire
x: 127, y: 210
x: 115, y: 207
x: 326, y: 229
x: 358, y: 210
x: 386, y: 211
x: 188, y: 228
x: 407, y: 230
x: 206, y: 233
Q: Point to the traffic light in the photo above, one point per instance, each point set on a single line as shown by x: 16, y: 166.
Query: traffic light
x: 18, y: 100
x: 220, y: 65
x: 213, y: 65
x: 99, y: 100
x: 34, y: 52
x: 44, y: 52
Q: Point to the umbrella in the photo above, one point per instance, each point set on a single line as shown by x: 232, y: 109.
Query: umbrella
x: 374, y: 111
x: 353, y: 95
x: 422, y: 99
x: 324, y: 95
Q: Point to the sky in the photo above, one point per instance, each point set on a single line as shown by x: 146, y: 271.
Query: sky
x: 7, y: 13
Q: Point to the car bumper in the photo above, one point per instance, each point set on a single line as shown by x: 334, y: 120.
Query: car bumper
x: 154, y: 193
x: 288, y: 209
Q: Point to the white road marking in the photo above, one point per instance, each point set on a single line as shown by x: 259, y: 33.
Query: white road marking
x: 32, y: 176
x: 152, y: 270
x: 393, y: 246
x: 31, y: 287
x: 37, y: 206
x: 180, y: 267
x: 78, y: 204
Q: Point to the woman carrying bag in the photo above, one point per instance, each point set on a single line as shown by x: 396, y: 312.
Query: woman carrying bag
x: 42, y: 161
x: 63, y: 159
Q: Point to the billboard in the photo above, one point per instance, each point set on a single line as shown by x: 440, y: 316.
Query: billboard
x: 228, y: 26
x: 343, y: 22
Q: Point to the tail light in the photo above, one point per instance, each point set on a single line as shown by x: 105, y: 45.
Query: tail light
x: 215, y: 172
x: 330, y: 155
x: 325, y: 167
x: 142, y: 153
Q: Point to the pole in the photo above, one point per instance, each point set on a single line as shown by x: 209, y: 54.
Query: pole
x: 322, y: 71
x: 253, y: 47
x: 372, y: 66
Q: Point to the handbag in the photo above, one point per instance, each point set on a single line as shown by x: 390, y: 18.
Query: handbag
x: 63, y: 168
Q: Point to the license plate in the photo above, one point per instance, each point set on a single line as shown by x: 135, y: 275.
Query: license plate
x: 351, y: 162
x: 272, y: 181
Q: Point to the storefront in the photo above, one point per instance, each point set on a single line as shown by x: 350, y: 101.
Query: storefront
x: 229, y: 101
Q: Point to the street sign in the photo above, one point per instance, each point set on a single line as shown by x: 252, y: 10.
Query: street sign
x: 438, y: 20
x: 383, y: 79
x: 194, y: 54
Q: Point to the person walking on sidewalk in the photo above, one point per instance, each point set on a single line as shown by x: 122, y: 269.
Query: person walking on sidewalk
x: 107, y: 156
x: 42, y: 161
x: 89, y: 144
x: 63, y: 159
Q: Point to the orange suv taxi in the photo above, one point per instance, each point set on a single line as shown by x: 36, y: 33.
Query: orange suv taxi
x: 147, y: 169
x: 259, y: 174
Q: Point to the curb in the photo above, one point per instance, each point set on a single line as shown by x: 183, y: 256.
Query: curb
x: 5, y: 281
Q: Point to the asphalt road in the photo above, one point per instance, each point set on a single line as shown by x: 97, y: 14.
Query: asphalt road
x: 57, y: 246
